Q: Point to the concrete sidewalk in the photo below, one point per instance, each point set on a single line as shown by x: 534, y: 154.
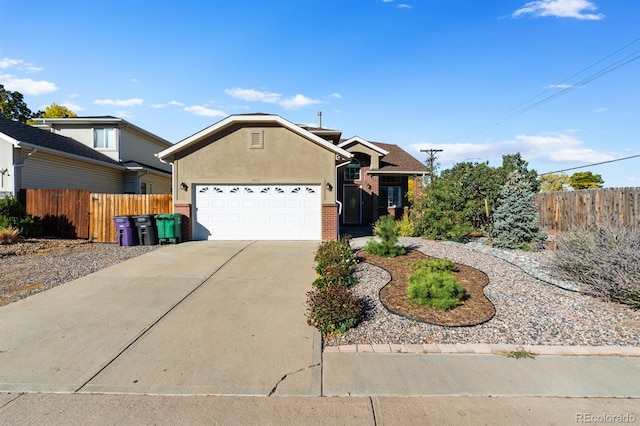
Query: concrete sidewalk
x: 74, y: 409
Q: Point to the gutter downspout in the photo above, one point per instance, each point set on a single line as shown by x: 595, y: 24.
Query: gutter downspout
x: 15, y: 171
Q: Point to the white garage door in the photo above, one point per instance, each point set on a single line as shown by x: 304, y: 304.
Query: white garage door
x: 258, y: 212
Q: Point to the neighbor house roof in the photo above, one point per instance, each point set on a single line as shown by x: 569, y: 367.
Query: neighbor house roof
x: 240, y: 119
x: 102, y: 120
x: 23, y: 135
x: 398, y: 161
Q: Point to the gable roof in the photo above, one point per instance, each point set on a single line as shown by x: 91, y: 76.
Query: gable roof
x: 398, y: 161
x: 20, y: 134
x: 357, y: 139
x: 251, y: 119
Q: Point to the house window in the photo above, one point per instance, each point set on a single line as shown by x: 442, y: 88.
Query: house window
x: 352, y: 172
x: 390, y: 196
x: 145, y: 188
x: 104, y: 138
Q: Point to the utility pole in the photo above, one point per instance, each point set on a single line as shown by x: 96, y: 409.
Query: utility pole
x: 431, y: 160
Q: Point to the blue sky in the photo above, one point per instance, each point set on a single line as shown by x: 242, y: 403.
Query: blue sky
x: 556, y: 80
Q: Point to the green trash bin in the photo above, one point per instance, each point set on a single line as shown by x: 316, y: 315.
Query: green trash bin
x: 169, y: 228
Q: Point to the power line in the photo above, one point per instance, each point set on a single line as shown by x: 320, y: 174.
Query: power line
x: 590, y: 165
x: 527, y: 105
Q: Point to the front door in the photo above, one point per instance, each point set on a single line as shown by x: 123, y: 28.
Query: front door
x: 351, y: 203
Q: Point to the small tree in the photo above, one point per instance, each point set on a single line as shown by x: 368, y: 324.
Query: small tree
x: 385, y: 228
x: 585, y: 180
x: 551, y: 182
x: 515, y: 220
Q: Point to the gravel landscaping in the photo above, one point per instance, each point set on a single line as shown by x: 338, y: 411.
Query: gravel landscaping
x: 39, y: 264
x: 529, y: 311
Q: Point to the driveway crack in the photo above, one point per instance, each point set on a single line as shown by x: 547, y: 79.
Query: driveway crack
x: 275, y: 388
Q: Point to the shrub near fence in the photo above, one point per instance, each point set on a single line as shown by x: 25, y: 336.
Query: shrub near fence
x: 559, y: 211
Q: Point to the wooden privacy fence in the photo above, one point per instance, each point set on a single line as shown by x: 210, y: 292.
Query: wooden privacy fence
x: 64, y: 212
x: 105, y: 206
x: 71, y: 213
x: 561, y: 210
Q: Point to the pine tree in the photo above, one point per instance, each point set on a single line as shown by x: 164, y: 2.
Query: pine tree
x: 515, y: 220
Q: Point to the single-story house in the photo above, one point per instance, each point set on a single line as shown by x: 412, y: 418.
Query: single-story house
x: 100, y: 154
x: 259, y: 176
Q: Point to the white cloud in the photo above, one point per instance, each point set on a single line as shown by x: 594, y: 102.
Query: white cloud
x: 19, y: 64
x: 73, y: 95
x: 335, y: 95
x: 119, y: 102
x: 253, y: 95
x: 555, y: 148
x: 170, y: 103
x: 298, y: 101
x: 559, y: 9
x: 404, y: 6
x: 73, y: 107
x: 559, y: 86
x: 9, y: 63
x: 603, y: 109
x: 27, y: 86
x: 204, y: 111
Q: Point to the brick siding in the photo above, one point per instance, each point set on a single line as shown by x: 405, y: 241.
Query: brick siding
x: 184, y: 209
x: 329, y: 222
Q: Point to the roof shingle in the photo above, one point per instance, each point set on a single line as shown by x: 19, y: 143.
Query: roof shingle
x: 45, y: 139
x: 398, y: 160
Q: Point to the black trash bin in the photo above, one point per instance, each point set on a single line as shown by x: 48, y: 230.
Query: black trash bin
x: 125, y: 230
x: 147, y: 231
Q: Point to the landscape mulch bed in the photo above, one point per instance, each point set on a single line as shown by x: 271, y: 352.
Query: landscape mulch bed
x: 475, y: 308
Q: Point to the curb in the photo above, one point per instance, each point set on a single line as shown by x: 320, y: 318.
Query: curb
x: 487, y: 349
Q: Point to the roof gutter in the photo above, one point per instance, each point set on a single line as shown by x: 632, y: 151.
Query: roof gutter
x: 65, y: 154
x: 24, y: 160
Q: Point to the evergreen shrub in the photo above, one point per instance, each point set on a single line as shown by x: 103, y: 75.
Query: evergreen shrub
x: 14, y: 215
x: 385, y: 229
x: 435, y: 289
x: 515, y: 220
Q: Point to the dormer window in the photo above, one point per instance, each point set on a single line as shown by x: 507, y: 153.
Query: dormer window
x: 104, y: 138
x: 352, y: 172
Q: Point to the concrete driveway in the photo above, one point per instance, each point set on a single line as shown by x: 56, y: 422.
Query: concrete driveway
x: 221, y: 318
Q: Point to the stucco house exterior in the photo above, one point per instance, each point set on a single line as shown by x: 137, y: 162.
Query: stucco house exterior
x: 100, y: 154
x: 259, y: 176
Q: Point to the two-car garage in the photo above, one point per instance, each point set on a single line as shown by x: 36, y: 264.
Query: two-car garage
x: 257, y: 212
x: 257, y: 177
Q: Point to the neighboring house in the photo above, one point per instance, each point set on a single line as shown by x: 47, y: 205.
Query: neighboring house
x: 122, y: 161
x: 259, y: 176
